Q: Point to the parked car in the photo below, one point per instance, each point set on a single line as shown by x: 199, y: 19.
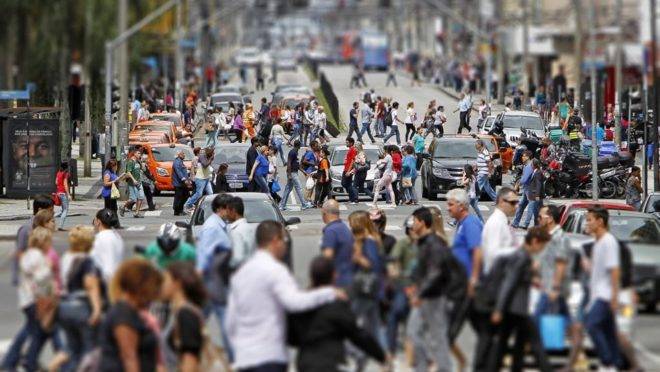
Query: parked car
x: 652, y: 203
x: 150, y: 126
x: 249, y: 56
x: 234, y: 155
x: 567, y: 208
x: 160, y: 158
x: 442, y: 168
x: 487, y: 124
x: 513, y: 121
x: 292, y: 88
x: 259, y: 207
x: 337, y: 156
x: 641, y: 232
x: 183, y: 135
x: 149, y: 137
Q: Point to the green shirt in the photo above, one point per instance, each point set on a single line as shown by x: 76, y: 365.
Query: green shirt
x: 404, y: 255
x: 133, y: 168
x: 186, y: 252
x: 564, y: 108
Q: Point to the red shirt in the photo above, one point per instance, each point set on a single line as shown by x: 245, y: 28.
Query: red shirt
x: 60, y: 178
x: 397, y: 162
x: 350, y: 158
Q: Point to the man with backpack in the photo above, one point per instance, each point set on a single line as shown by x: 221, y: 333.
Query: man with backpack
x: 439, y: 281
x: 391, y: 120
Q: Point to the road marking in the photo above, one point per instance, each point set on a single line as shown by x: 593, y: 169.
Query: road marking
x: 153, y: 213
x: 293, y: 227
x: 4, y: 345
x: 483, y: 208
x: 651, y: 356
x: 392, y: 228
x: 136, y: 228
x: 342, y: 207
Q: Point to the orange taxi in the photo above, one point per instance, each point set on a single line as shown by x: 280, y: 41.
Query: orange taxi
x: 176, y: 118
x: 135, y: 138
x: 150, y: 126
x: 160, y: 158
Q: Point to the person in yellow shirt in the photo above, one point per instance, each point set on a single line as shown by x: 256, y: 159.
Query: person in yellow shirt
x: 248, y: 120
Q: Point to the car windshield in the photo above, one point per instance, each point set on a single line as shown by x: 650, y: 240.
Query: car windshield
x: 340, y: 155
x: 651, y: 204
x: 644, y: 230
x: 256, y: 211
x: 169, y: 153
x: 231, y: 155
x: 157, y: 128
x: 517, y: 122
x: 459, y: 149
x: 225, y: 98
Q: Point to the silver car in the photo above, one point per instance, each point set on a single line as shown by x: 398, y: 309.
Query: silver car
x: 337, y: 157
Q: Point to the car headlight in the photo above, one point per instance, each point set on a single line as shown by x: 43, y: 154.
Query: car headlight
x: 162, y: 172
x: 441, y: 172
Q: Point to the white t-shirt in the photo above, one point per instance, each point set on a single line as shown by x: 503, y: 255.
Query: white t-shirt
x: 410, y: 115
x: 320, y: 120
x: 107, y: 252
x: 604, y: 257
x: 395, y: 114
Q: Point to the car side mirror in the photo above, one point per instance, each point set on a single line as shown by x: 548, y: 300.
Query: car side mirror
x: 292, y: 221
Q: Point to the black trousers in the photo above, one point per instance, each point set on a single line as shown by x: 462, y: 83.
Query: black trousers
x: 485, y: 330
x: 463, y: 123
x: 149, y: 196
x: 322, y: 192
x: 526, y: 331
x: 260, y: 83
x: 410, y: 129
x: 181, y: 194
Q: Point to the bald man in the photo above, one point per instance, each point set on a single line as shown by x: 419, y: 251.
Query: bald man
x: 337, y: 243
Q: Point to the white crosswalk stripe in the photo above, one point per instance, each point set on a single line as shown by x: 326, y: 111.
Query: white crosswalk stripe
x: 153, y: 213
x: 136, y: 228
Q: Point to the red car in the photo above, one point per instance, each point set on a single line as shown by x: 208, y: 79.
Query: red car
x: 585, y: 204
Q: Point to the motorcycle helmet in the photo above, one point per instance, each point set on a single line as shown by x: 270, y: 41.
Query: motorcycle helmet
x: 169, y: 238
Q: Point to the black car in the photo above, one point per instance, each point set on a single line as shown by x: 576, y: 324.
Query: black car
x: 442, y: 168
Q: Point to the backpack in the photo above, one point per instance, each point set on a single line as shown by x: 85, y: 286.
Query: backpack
x: 387, y: 120
x: 488, y: 289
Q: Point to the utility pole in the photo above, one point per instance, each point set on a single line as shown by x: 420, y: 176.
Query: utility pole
x: 178, y: 85
x: 499, y: 16
x: 579, y: 56
x: 123, y: 66
x: 654, y: 70
x: 87, y: 132
x: 618, y: 74
x: 525, y: 35
x: 594, y: 142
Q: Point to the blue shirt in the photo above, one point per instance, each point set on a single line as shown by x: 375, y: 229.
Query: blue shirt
x: 338, y: 237
x: 107, y: 190
x: 526, y: 177
x: 466, y: 240
x: 409, y: 166
x: 262, y: 166
x: 418, y: 141
x: 310, y: 158
x: 212, y: 235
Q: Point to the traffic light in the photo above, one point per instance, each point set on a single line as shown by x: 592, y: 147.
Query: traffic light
x: 115, y: 97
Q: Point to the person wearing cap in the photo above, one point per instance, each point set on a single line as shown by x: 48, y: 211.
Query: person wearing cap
x: 168, y: 247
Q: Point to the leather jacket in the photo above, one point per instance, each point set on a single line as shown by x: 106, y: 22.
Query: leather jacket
x: 431, y: 274
x: 513, y: 295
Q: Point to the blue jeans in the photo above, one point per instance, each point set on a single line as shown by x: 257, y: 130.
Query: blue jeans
x: 397, y: 314
x: 380, y: 128
x: 601, y: 325
x: 277, y: 142
x: 200, y: 186
x: 297, y: 128
x: 409, y: 192
x: 293, y: 183
x: 80, y: 336
x: 533, y: 211
x: 220, y: 311
x: 211, y: 138
x: 366, y: 128
x: 262, y: 183
x: 519, y: 211
x: 347, y: 184
x: 474, y: 202
x: 64, y: 209
x: 484, y: 186
x: 37, y: 337
x: 394, y: 131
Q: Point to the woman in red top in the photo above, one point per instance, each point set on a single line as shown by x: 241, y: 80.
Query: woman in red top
x: 62, y: 189
x: 397, y: 167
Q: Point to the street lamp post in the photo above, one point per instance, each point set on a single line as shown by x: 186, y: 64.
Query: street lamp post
x: 594, y: 140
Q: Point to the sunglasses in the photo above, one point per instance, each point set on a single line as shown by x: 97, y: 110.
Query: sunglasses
x: 512, y: 202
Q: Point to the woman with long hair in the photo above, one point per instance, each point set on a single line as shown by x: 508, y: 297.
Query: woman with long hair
x: 385, y: 181
x: 368, y: 277
x: 361, y: 168
x: 62, y: 189
x: 110, y: 178
x: 237, y: 126
x: 397, y: 167
x: 184, y: 290
x: 470, y: 183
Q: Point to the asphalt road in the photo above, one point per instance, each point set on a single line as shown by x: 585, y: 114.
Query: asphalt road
x: 306, y: 235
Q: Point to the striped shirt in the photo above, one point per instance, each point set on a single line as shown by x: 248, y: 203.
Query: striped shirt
x: 482, y: 162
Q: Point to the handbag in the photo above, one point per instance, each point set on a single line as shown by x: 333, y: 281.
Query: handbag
x: 406, y: 182
x: 309, y: 184
x: 56, y: 199
x: 275, y: 187
x: 114, y: 192
x: 365, y: 284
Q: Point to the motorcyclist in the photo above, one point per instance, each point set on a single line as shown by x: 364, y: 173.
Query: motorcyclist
x: 169, y: 247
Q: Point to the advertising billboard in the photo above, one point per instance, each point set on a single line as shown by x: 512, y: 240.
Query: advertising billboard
x: 31, y: 156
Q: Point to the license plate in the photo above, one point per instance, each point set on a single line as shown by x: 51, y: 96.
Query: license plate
x: 236, y: 185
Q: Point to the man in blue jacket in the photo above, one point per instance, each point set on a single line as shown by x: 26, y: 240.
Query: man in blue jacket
x: 524, y: 184
x: 181, y: 183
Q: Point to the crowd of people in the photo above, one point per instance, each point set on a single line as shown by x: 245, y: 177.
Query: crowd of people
x: 105, y: 311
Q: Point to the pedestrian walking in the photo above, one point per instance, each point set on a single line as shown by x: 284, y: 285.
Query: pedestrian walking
x: 277, y: 138
x: 634, y: 188
x: 385, y: 181
x: 201, y: 173
x: 321, y: 125
x: 211, y: 128
x: 308, y: 124
x: 397, y: 168
x: 393, y: 122
x: 321, y: 334
x: 262, y: 291
x: 309, y: 166
x: 353, y: 122
x: 367, y: 115
x: 525, y: 180
x: 368, y: 280
x: 464, y: 107
x: 238, y: 127
x: 604, y: 282
x: 84, y: 296
x: 62, y: 191
x: 259, y: 170
x: 470, y: 184
x: 391, y: 76
x: 259, y: 76
x: 110, y: 192
x: 293, y: 182
x: 134, y: 180
x: 337, y: 243
x: 379, y: 114
x: 349, y: 171
x: 409, y: 176
x: 360, y: 170
x: 181, y: 183
x: 240, y: 231
x: 535, y: 193
x: 127, y: 341
x: 296, y: 117
x: 485, y: 168
x: 419, y: 147
x: 511, y: 313
x: 323, y: 181
x: 148, y: 184
x: 108, y: 248
x: 379, y: 218
x: 411, y: 118
x: 169, y: 247
x: 251, y: 156
x: 273, y: 180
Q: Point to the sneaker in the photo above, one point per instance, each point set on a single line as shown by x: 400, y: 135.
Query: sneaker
x: 306, y: 206
x: 122, y: 211
x: 283, y: 209
x: 353, y: 203
x: 138, y: 216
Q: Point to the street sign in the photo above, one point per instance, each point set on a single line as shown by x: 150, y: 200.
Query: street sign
x: 6, y: 95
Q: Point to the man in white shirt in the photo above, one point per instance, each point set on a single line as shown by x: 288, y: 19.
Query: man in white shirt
x: 262, y: 292
x: 464, y: 106
x: 394, y: 131
x: 241, y: 232
x: 603, y: 289
x: 497, y: 237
